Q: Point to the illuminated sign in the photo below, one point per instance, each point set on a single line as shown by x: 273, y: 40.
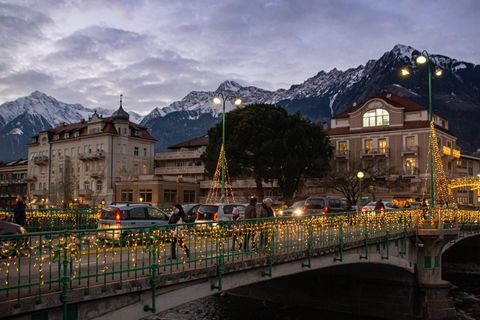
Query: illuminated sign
x: 456, y: 153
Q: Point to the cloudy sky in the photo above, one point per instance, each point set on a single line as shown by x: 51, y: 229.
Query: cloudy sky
x: 155, y: 52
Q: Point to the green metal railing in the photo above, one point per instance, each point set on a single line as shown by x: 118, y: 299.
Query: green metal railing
x: 57, y: 219
x: 34, y: 264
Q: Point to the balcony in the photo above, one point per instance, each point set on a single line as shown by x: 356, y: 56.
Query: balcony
x: 342, y: 153
x: 382, y: 152
x: 40, y: 160
x: 97, y: 174
x: 84, y: 193
x: 180, y: 170
x: 410, y: 172
x: 86, y: 156
x: 174, y: 155
x: 411, y: 150
x: 39, y: 193
x: 31, y: 178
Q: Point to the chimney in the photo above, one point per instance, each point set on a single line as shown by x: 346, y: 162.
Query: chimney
x: 325, y: 125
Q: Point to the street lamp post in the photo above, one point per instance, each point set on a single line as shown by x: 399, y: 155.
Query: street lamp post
x: 221, y: 99
x: 423, y: 58
x: 360, y: 176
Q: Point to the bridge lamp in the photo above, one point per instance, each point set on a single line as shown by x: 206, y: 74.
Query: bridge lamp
x: 220, y: 100
x: 420, y: 59
x: 360, y: 176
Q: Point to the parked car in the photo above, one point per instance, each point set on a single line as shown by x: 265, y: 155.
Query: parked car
x: 296, y: 209
x: 326, y: 205
x: 214, y: 212
x: 8, y: 245
x: 121, y: 216
x: 190, y: 211
x: 371, y: 206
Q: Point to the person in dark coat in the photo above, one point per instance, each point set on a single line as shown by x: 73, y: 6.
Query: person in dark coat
x: 178, y: 217
x: 19, y: 213
x: 266, y: 211
x: 250, y: 213
x: 379, y: 206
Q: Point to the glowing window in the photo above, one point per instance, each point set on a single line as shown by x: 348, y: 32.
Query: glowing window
x: 376, y: 117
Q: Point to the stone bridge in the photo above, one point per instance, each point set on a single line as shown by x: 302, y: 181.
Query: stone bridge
x: 129, y: 274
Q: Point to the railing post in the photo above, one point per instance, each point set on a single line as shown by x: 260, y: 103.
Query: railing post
x: 340, y: 245
x: 365, y: 223
x: 153, y: 279
x: 65, y: 280
x: 404, y: 239
x: 270, y: 254
x: 219, y: 251
x: 310, y: 247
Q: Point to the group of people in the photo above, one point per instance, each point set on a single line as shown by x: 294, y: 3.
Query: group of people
x: 265, y: 211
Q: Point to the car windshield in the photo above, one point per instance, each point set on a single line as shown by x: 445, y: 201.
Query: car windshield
x: 297, y: 204
x: 315, y: 203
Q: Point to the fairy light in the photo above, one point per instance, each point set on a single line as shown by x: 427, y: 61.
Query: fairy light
x: 213, y: 193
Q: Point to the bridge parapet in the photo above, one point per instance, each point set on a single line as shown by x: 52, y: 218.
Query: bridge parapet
x: 64, y: 263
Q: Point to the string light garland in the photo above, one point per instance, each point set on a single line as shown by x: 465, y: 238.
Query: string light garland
x: 214, y: 195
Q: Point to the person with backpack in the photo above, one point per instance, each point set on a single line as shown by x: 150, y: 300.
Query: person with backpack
x: 266, y: 211
x: 236, y: 228
x: 19, y: 213
x: 177, y: 218
x: 250, y: 213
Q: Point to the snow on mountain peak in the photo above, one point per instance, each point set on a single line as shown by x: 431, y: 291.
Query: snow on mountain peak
x: 229, y: 85
x: 403, y: 51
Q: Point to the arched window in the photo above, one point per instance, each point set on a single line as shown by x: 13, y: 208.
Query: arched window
x: 376, y: 117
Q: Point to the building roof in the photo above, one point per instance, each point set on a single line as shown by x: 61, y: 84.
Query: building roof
x: 13, y: 163
x: 406, y: 125
x: 201, y: 141
x: 390, y: 98
x: 136, y: 130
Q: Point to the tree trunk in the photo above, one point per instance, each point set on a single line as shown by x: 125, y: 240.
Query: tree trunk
x: 260, y: 191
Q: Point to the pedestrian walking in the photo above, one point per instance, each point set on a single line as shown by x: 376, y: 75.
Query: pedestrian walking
x: 266, y: 211
x: 19, y: 213
x: 236, y: 228
x: 379, y: 206
x: 177, y: 218
x: 250, y: 213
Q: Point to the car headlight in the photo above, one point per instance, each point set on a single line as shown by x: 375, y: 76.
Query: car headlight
x: 22, y: 230
x: 298, y: 212
x: 280, y: 213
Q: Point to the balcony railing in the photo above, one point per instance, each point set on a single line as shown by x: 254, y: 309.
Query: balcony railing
x: 97, y: 174
x: 40, y: 160
x: 11, y: 181
x: 173, y: 155
x: 342, y: 153
x: 180, y: 170
x: 92, y: 156
x: 411, y: 171
x: 410, y: 150
x: 375, y: 152
x: 39, y: 193
x: 31, y: 178
x: 84, y: 192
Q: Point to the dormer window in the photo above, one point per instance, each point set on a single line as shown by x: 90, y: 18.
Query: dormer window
x: 376, y: 117
x: 76, y: 134
x: 66, y: 135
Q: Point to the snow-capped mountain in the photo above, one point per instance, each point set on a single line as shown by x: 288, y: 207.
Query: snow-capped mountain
x: 24, y: 117
x: 456, y: 96
x: 328, y: 93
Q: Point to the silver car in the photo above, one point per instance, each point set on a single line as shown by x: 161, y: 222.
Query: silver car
x: 123, y: 216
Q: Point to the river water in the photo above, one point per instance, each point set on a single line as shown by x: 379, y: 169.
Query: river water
x: 465, y: 295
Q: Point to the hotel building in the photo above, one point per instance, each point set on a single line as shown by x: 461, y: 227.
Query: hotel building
x: 80, y: 162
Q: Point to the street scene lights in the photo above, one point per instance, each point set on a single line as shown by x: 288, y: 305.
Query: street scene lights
x: 221, y: 99
x: 360, y: 176
x: 420, y: 59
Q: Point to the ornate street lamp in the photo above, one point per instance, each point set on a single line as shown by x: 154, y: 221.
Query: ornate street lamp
x: 221, y: 98
x: 360, y: 176
x: 420, y: 59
